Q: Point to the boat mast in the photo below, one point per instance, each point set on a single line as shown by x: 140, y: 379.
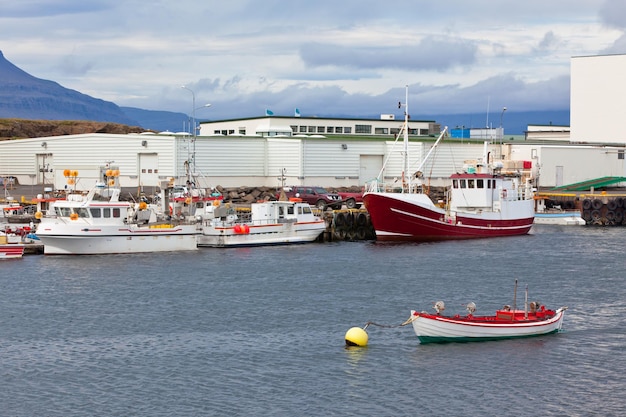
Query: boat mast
x: 405, y: 169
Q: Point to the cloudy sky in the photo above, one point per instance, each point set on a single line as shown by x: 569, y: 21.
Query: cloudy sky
x: 339, y: 57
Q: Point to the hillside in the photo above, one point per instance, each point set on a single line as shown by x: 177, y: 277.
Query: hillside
x: 19, y: 128
x: 27, y: 97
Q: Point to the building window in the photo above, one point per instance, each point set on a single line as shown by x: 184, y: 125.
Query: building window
x: 320, y: 129
x: 216, y: 132
x: 362, y: 129
x: 231, y: 132
x: 330, y: 129
x: 394, y: 131
x: 242, y: 131
x: 339, y: 129
x: 347, y: 130
x: 302, y: 129
x: 381, y: 131
x: 620, y: 154
x: 312, y: 129
x: 294, y: 128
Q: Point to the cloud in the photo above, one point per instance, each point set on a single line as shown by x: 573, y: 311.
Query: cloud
x: 613, y: 13
x: 47, y: 8
x: 431, y: 53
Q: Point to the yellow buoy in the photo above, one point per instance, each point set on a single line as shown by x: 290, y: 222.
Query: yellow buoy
x: 356, y: 337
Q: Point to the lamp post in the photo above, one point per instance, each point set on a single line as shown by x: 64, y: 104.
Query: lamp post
x: 194, y: 132
x: 501, y: 128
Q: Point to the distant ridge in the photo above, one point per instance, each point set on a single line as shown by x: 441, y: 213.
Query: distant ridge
x: 26, y: 97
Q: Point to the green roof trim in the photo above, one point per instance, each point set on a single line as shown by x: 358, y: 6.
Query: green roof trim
x: 586, y: 185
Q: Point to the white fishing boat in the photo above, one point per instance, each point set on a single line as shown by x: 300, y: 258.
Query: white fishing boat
x: 99, y: 223
x: 265, y: 223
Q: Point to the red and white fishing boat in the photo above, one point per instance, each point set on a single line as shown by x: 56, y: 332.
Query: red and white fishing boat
x: 11, y: 251
x: 507, y: 323
x: 484, y: 200
x: 10, y: 246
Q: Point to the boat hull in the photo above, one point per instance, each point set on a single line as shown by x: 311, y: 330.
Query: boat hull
x: 113, y: 239
x: 413, y: 217
x: 438, y: 329
x: 560, y: 218
x: 11, y: 251
x: 261, y: 235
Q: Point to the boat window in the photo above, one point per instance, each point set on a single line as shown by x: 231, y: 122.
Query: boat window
x: 290, y: 210
x: 281, y: 212
x: 305, y: 209
x: 106, y: 212
x: 462, y: 182
x: 63, y: 211
x: 95, y: 212
x: 82, y: 212
x: 116, y: 212
x: 480, y: 183
x: 455, y: 183
x: 470, y: 183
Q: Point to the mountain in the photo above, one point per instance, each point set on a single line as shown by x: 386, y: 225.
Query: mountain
x: 158, y: 120
x: 23, y: 96
x: 514, y: 123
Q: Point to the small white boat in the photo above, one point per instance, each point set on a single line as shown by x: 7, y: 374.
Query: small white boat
x: 99, y: 223
x: 560, y: 218
x: 507, y: 323
x: 266, y: 223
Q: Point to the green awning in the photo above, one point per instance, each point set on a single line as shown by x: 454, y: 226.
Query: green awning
x: 586, y: 185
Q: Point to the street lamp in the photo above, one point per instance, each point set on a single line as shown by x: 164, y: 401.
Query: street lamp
x: 501, y: 128
x: 194, y: 132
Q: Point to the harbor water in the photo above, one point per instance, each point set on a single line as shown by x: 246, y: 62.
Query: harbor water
x: 260, y: 331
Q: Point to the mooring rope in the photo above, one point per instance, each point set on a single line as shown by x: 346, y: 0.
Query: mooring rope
x: 390, y: 326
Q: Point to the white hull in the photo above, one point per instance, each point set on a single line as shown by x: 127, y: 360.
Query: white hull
x: 430, y: 328
x: 269, y: 223
x: 272, y: 234
x: 560, y: 218
x: 116, y: 240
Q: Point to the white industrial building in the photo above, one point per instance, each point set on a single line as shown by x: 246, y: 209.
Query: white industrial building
x: 387, y: 125
x: 271, y: 150
x: 598, y: 99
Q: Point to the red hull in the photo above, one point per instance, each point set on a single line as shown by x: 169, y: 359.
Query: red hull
x: 11, y: 251
x: 396, y: 220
